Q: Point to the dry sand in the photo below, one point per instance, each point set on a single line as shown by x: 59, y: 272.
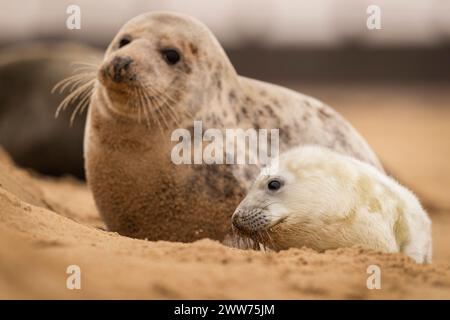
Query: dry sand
x: 47, y: 225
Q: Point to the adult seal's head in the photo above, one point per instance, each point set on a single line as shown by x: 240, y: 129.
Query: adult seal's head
x: 158, y: 67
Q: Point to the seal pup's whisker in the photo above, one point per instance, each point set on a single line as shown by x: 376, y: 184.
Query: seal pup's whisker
x: 256, y: 242
x: 248, y: 243
x: 269, y: 239
x: 242, y: 241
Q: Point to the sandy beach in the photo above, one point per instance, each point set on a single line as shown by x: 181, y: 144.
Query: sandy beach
x: 47, y: 224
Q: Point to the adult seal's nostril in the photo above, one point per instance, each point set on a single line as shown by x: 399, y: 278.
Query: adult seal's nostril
x: 120, y: 67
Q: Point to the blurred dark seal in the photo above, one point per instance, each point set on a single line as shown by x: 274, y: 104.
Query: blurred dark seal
x: 28, y: 128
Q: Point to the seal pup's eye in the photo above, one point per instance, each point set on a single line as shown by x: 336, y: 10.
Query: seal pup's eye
x: 171, y: 56
x: 274, y: 185
x: 124, y: 41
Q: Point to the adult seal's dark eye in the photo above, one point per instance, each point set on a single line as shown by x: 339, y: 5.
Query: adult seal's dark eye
x: 171, y: 56
x: 274, y: 185
x: 124, y: 41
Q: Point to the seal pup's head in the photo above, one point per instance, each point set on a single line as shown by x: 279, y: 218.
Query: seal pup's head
x: 161, y: 65
x: 308, y: 188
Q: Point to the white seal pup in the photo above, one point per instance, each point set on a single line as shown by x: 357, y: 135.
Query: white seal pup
x: 317, y: 198
x: 169, y: 70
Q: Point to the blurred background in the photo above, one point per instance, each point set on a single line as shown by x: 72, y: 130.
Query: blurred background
x: 392, y: 84
x: 283, y: 39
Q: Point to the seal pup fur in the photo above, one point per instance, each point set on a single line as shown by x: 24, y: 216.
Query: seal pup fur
x: 317, y: 198
x: 161, y: 72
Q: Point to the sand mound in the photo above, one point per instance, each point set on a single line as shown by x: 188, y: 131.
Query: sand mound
x: 47, y: 225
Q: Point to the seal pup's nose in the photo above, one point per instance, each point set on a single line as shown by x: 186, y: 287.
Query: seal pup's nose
x: 250, y: 220
x: 243, y: 221
x: 236, y: 220
x: 120, y: 67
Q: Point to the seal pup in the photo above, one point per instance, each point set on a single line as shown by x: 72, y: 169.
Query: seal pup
x: 161, y: 72
x: 317, y: 198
